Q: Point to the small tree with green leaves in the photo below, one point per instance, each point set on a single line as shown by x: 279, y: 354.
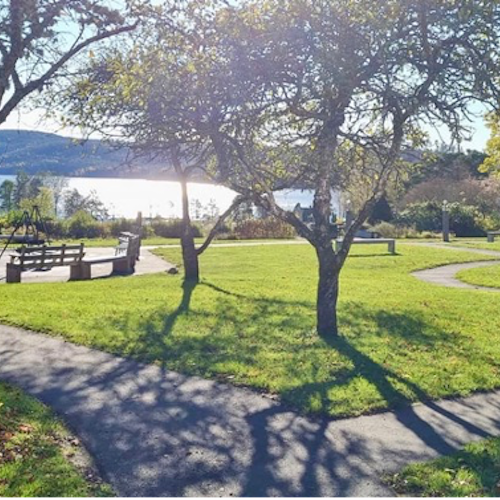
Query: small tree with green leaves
x: 322, y: 94
x: 329, y: 94
x: 148, y: 98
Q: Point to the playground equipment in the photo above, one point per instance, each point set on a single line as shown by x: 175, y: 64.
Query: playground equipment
x: 32, y: 224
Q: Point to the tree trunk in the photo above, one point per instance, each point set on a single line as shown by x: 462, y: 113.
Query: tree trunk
x: 189, y: 254
x: 328, y: 291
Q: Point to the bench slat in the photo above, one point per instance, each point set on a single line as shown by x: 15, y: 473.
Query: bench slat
x: 103, y: 260
x: 47, y: 257
x: 27, y: 250
x: 391, y: 243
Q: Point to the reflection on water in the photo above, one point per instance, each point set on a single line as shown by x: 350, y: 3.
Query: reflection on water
x: 126, y: 197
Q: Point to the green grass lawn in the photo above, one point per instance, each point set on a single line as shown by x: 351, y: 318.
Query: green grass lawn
x: 251, y: 322
x: 112, y: 242
x: 480, y: 243
x: 472, y: 472
x: 34, y: 450
x: 484, y: 276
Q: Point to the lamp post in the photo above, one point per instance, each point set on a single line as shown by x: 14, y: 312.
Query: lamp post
x: 348, y: 215
x: 446, y: 222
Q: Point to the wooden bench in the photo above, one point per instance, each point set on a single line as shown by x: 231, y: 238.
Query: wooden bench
x: 123, y: 243
x: 45, y: 257
x: 391, y: 243
x: 491, y: 236
x: 123, y: 261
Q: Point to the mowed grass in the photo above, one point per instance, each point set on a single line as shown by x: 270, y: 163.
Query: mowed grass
x: 480, y: 243
x: 112, y: 242
x: 485, y: 276
x: 34, y: 446
x: 155, y: 241
x: 252, y: 322
x: 472, y: 472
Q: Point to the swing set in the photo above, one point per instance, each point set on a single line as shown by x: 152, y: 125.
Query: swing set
x: 33, y: 228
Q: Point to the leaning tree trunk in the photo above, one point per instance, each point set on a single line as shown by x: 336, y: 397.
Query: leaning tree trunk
x: 328, y: 292
x: 189, y: 253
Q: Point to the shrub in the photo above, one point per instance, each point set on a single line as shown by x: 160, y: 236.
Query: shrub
x: 464, y: 220
x: 172, y: 228
x: 268, y: 227
x: 83, y: 225
x: 382, y: 212
x: 121, y: 226
x: 147, y: 232
x: 388, y: 230
x: 57, y: 229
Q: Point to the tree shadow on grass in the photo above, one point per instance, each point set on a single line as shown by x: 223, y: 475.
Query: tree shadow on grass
x: 269, y: 343
x: 176, y: 435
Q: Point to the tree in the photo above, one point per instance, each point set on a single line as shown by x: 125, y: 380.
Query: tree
x: 39, y: 37
x: 44, y: 200
x: 492, y: 161
x: 147, y: 98
x: 57, y: 186
x: 325, y: 94
x: 454, y: 166
x: 27, y: 189
x: 75, y: 202
x: 7, y: 196
x: 332, y: 92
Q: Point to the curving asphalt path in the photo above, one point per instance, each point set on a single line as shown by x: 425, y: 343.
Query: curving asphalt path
x: 446, y: 275
x: 153, y: 432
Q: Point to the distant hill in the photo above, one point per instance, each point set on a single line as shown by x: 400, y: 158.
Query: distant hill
x: 41, y: 152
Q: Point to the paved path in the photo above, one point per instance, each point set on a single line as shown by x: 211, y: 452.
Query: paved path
x: 479, y: 251
x: 446, y: 275
x: 148, y: 264
x: 157, y: 433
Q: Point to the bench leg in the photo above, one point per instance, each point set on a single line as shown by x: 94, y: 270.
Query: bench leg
x: 13, y: 273
x: 491, y: 238
x: 75, y: 272
x: 392, y: 247
x: 86, y: 271
x: 121, y: 267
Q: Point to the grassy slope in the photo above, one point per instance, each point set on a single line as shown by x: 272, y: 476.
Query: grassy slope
x: 252, y: 320
x: 32, y: 461
x: 485, y: 276
x: 473, y: 472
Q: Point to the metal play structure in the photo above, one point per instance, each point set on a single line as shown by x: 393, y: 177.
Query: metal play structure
x: 32, y: 225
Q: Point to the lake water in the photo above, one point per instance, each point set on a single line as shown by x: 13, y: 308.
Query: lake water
x: 126, y: 197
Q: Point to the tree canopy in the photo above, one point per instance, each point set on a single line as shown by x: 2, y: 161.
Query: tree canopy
x: 39, y: 37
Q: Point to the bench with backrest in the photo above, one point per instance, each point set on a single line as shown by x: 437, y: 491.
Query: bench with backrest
x: 123, y: 243
x: 44, y: 257
x: 391, y: 243
x: 491, y: 236
x: 126, y: 255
